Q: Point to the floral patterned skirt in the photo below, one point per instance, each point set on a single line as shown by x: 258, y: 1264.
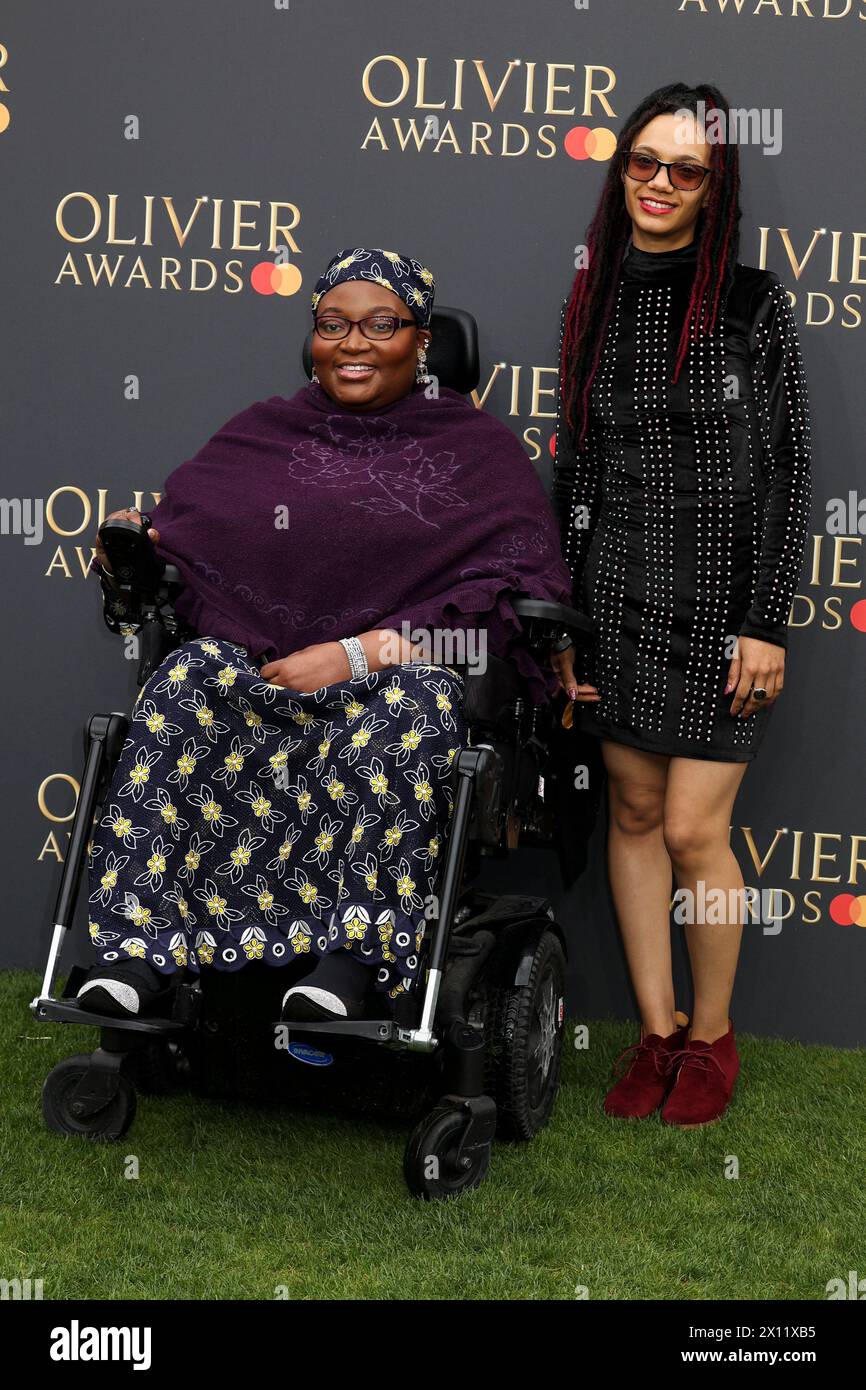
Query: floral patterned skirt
x: 246, y: 821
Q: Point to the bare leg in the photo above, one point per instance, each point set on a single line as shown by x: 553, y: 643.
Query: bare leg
x: 641, y: 877
x: 697, y: 814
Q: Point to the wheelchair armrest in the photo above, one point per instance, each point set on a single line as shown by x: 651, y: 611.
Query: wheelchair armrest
x: 544, y: 620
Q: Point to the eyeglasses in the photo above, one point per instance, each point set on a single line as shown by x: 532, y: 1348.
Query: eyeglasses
x: 684, y: 176
x: 376, y: 326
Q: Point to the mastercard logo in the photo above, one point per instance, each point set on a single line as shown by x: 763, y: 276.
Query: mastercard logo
x: 848, y: 911
x: 268, y: 278
x: 584, y: 142
x: 858, y: 615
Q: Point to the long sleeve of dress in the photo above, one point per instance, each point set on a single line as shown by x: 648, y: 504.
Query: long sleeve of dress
x: 782, y: 407
x: 575, y: 490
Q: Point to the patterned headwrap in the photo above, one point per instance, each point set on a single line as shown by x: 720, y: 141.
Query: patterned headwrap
x: 408, y: 279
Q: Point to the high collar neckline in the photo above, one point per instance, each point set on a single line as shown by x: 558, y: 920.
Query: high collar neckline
x: 643, y: 265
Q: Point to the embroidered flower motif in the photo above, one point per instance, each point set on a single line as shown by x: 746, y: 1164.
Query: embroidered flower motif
x: 355, y: 921
x: 443, y: 762
x: 262, y: 807
x: 99, y: 936
x: 396, y: 699
x: 217, y: 905
x: 429, y: 853
x: 368, y: 870
x: 338, y: 791
x: 184, y: 911
x: 122, y: 827
x: 253, y: 943
x: 279, y: 864
x: 394, y: 833
x: 139, y: 774
x: 114, y: 863
x: 168, y: 813
x: 176, y: 676
x: 156, y: 865
x: 423, y: 791
x: 142, y: 917
x: 156, y: 721
x: 323, y: 844
x: 208, y: 722
x: 406, y: 885
x: 212, y: 811
x: 309, y: 893
x: 267, y: 905
x: 300, y: 936
x: 187, y: 762
x: 375, y: 774
x: 233, y: 762
x: 134, y: 946
x: 363, y: 822
x: 205, y: 945
x: 198, y: 848
x: 360, y: 737
x: 240, y: 856
x: 279, y: 761
x: 224, y: 679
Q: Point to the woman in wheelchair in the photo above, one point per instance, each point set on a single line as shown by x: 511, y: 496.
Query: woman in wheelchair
x: 284, y: 794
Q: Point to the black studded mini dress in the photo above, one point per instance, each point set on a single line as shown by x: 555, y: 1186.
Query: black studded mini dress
x: 684, y: 518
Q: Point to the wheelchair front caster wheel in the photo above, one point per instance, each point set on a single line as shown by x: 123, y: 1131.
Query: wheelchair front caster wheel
x: 66, y: 1112
x: 432, y: 1167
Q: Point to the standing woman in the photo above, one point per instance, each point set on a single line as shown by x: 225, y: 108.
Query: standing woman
x: 682, y: 481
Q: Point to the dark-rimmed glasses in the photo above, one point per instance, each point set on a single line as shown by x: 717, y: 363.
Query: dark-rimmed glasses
x: 376, y: 326
x: 682, y: 175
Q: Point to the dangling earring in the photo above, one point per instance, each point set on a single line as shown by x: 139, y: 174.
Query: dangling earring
x: 422, y: 376
x: 313, y: 376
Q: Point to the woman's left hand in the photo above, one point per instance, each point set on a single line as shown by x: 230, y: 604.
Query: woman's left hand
x: 325, y: 663
x: 759, y: 664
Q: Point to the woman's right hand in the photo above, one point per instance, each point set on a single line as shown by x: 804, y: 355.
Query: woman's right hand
x: 125, y: 514
x: 563, y: 665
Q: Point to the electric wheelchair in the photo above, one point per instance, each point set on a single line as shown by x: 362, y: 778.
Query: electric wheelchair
x: 474, y: 1049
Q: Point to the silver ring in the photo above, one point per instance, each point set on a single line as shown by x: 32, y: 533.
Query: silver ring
x: 758, y: 693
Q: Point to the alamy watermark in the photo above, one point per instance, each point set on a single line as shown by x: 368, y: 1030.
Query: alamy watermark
x: 438, y: 646
x: 23, y: 516
x: 727, y: 906
x: 752, y: 125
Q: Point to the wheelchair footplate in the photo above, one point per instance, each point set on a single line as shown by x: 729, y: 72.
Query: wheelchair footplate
x: 183, y: 1001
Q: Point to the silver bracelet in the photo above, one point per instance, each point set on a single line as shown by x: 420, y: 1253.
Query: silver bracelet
x: 354, y: 649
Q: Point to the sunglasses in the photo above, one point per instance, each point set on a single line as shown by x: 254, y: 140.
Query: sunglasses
x: 683, y: 175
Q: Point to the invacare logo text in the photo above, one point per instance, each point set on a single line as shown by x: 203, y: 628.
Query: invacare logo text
x: 77, y: 1343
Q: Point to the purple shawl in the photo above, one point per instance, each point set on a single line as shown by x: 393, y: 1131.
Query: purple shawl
x: 302, y: 521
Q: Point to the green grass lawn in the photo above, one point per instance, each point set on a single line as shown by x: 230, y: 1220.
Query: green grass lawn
x: 233, y: 1201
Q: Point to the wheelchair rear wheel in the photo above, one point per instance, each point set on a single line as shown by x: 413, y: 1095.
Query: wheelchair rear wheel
x: 523, y: 1027
x: 159, y: 1068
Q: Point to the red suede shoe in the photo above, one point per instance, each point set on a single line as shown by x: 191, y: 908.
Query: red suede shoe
x: 643, y: 1086
x: 704, y: 1075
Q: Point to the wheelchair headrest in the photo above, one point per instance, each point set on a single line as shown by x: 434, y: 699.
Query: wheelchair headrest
x: 453, y: 354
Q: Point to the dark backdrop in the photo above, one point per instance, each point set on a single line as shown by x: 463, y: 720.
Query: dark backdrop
x: 106, y: 387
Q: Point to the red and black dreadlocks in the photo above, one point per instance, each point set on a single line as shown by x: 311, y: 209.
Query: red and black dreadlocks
x: 594, y: 290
